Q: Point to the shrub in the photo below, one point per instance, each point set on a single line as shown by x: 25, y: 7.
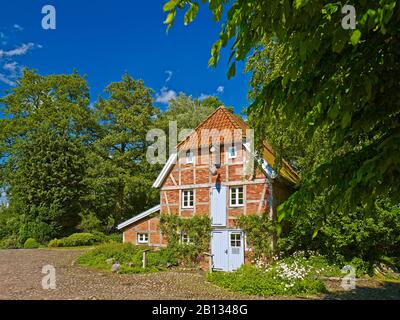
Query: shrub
x: 31, y: 243
x: 10, y: 242
x: 126, y: 254
x: 76, y: 239
x: 37, y: 229
x: 197, y: 228
x: 100, y: 236
x: 53, y: 243
x: 259, y: 234
x: 365, y: 233
x: 278, y: 280
x: 8, y: 225
x: 89, y: 222
x: 361, y: 267
x: 116, y: 237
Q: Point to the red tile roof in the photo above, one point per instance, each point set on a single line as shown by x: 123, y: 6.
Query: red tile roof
x: 222, y: 120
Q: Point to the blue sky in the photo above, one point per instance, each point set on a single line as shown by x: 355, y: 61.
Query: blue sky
x: 103, y: 39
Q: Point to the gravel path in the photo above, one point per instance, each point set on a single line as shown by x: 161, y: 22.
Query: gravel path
x: 21, y: 278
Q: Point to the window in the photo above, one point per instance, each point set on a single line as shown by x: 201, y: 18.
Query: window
x: 236, y: 241
x: 142, y: 238
x: 232, y: 152
x: 185, y: 239
x: 189, y: 157
x: 187, y: 198
x: 236, y: 196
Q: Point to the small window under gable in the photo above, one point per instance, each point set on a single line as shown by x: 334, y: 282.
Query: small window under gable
x: 189, y: 157
x: 232, y: 152
x: 142, y: 238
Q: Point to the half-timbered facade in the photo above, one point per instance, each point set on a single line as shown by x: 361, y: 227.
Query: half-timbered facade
x: 214, y: 172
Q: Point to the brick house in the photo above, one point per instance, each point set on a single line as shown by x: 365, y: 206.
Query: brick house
x: 211, y: 173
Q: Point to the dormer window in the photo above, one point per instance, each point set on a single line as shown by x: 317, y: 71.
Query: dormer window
x: 232, y: 153
x: 189, y: 157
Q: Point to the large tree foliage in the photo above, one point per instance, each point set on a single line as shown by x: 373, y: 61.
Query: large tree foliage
x: 46, y: 124
x: 328, y: 99
x: 188, y: 112
x: 120, y: 173
x: 48, y: 183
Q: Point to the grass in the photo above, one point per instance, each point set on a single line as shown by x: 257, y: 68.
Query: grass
x: 127, y: 255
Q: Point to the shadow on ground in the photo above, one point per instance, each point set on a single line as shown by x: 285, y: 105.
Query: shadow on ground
x: 368, y: 290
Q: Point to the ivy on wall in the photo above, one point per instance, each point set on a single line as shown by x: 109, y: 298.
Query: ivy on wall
x: 198, y: 229
x: 259, y: 231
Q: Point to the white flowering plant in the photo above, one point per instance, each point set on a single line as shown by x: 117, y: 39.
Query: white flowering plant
x: 299, y: 274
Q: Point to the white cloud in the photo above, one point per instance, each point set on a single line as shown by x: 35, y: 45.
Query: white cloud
x: 5, y: 80
x: 19, y: 51
x: 203, y: 96
x: 18, y: 27
x: 220, y: 89
x: 7, y: 58
x: 11, y: 67
x: 169, y: 75
x: 165, y: 95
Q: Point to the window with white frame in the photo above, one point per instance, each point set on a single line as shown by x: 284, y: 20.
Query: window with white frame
x: 185, y: 239
x: 236, y: 240
x: 142, y: 238
x: 189, y: 157
x: 187, y: 198
x: 232, y: 153
x: 236, y: 196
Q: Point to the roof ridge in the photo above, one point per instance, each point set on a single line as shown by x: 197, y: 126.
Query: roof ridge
x: 236, y: 117
x: 200, y: 124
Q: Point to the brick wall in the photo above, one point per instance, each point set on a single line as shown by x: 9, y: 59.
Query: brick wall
x: 197, y: 176
x: 150, y: 226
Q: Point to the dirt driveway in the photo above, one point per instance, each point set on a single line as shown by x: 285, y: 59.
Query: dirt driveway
x: 21, y: 278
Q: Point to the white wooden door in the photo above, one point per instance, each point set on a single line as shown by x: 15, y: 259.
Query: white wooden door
x: 219, y: 250
x: 236, y: 250
x: 218, y: 206
x: 227, y: 249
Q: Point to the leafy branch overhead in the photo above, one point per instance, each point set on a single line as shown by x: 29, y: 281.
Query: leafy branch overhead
x: 327, y: 99
x: 344, y: 80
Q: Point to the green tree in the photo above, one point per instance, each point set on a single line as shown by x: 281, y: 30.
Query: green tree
x: 327, y: 99
x: 188, y: 112
x: 43, y: 135
x: 120, y: 173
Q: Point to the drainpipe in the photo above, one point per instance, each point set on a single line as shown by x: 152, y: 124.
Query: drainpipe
x: 272, y: 213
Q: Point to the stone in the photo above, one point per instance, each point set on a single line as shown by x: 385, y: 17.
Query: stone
x: 115, y: 267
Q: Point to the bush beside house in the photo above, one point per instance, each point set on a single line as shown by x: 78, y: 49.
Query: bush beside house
x: 296, y: 275
x: 128, y: 256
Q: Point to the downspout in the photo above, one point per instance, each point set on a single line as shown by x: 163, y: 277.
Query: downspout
x: 272, y: 216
